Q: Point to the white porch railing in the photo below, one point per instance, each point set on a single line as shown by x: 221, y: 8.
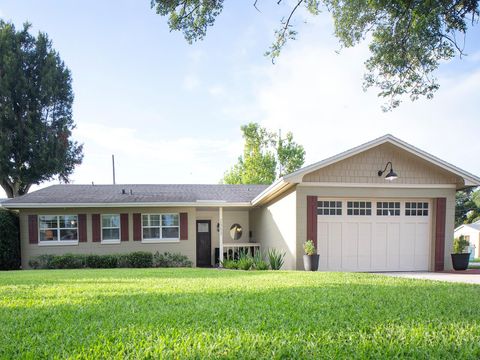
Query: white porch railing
x: 233, y: 250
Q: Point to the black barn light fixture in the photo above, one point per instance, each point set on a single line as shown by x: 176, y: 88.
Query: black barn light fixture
x: 392, y: 175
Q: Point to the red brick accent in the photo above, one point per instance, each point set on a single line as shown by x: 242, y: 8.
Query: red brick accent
x: 137, y: 227
x: 183, y: 226
x: 96, y: 236
x: 440, y: 213
x: 124, y: 227
x: 312, y: 219
x: 33, y: 229
x: 82, y: 227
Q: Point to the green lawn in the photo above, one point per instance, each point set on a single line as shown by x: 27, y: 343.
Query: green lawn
x: 193, y: 313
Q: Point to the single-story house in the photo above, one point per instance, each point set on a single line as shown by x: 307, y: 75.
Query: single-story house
x: 382, y: 206
x: 472, y: 235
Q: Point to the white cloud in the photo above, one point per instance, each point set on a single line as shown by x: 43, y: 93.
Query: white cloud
x: 191, y: 82
x: 216, y: 90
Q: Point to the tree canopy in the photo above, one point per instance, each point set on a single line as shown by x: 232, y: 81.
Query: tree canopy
x: 35, y: 112
x: 408, y: 39
x: 467, y: 209
x: 266, y: 156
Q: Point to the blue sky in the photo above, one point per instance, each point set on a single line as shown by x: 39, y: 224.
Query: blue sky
x: 171, y: 112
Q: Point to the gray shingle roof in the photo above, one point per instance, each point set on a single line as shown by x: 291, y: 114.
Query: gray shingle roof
x: 165, y: 193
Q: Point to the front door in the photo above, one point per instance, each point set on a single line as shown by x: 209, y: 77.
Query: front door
x: 204, y: 243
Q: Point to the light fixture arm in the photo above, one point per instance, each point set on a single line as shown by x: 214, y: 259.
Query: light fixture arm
x: 380, y: 172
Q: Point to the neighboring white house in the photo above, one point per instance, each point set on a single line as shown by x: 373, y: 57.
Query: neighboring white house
x: 472, y: 235
x: 382, y: 206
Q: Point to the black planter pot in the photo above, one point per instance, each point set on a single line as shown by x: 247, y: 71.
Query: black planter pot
x: 460, y: 261
x: 310, y: 262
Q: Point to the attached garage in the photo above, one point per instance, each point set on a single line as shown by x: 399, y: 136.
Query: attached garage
x: 374, y: 234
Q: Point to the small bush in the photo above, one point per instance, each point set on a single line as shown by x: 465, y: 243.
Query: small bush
x: 140, y: 259
x: 276, y: 259
x: 459, y: 244
x: 309, y: 247
x: 169, y: 260
x: 42, y: 262
x: 258, y: 261
x: 9, y: 241
x: 68, y: 261
x: 101, y: 261
x: 230, y: 264
x: 245, y: 261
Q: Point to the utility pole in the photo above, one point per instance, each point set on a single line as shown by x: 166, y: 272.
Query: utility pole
x: 113, y: 168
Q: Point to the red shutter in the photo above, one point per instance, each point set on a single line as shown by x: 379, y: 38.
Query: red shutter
x: 440, y: 215
x: 82, y: 228
x: 33, y: 229
x: 124, y: 227
x: 137, y: 227
x: 312, y: 219
x: 96, y: 237
x: 183, y: 226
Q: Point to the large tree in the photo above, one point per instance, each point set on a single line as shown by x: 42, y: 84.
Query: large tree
x: 266, y: 156
x: 467, y: 206
x: 408, y: 39
x: 35, y: 112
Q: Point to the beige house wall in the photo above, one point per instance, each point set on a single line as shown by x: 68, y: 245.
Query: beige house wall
x: 274, y: 225
x: 363, y: 168
x: 474, y: 237
x: 186, y: 247
x: 368, y: 193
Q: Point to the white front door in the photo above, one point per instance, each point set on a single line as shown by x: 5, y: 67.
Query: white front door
x: 374, y: 234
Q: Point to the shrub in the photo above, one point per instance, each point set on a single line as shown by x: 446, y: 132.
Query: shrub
x: 168, y: 260
x: 459, y: 244
x: 101, y: 261
x: 230, y: 264
x: 42, y: 262
x: 140, y: 259
x: 276, y: 259
x: 68, y: 261
x: 9, y: 241
x: 245, y: 262
x: 309, y: 247
x: 258, y: 261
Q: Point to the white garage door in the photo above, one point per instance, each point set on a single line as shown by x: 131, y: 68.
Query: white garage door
x: 374, y: 234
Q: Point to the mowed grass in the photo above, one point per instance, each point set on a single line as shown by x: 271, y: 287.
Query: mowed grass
x: 195, y: 313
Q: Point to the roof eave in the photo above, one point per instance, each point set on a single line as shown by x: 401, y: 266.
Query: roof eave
x: 127, y: 205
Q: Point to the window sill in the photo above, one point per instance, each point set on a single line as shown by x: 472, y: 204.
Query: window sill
x: 110, y: 242
x: 58, y: 243
x: 159, y: 241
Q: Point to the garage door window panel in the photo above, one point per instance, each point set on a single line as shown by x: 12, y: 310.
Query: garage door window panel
x: 329, y: 208
x: 359, y: 208
x: 388, y: 208
x: 416, y: 209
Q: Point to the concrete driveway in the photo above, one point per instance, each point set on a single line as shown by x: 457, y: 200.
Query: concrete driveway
x: 469, y: 276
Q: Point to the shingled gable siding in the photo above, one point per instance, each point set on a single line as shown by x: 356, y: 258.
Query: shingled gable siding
x: 96, y: 230
x: 33, y: 229
x: 312, y: 219
x: 137, y: 227
x: 82, y: 227
x: 440, y: 220
x: 183, y: 226
x: 124, y: 227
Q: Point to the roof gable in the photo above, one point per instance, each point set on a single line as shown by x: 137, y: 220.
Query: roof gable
x: 428, y: 160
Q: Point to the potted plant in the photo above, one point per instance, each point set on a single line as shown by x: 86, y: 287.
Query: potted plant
x: 460, y: 258
x: 310, y: 259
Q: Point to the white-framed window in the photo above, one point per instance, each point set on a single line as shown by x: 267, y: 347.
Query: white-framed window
x: 160, y: 227
x: 58, y: 229
x: 362, y: 208
x: 329, y: 208
x: 110, y: 228
x: 416, y: 208
x: 388, y: 208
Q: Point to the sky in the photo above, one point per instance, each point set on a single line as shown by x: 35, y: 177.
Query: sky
x: 171, y: 112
